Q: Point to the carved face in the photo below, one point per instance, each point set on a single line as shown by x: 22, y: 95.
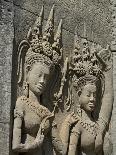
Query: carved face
x: 37, y: 78
x: 87, y: 97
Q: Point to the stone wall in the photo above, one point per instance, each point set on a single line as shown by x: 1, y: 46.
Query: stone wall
x: 94, y: 14
x: 113, y: 10
x: 113, y: 47
x: 114, y: 105
x: 6, y: 50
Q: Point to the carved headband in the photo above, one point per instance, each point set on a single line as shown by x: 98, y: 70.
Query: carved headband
x: 82, y: 81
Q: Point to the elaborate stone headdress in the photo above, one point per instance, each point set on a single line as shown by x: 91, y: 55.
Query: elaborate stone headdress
x: 85, y: 65
x: 40, y: 46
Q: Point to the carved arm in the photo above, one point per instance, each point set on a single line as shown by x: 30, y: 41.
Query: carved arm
x: 60, y: 140
x: 18, y: 118
x: 16, y: 133
x: 59, y: 145
x: 74, y: 137
x: 37, y: 143
x: 107, y: 101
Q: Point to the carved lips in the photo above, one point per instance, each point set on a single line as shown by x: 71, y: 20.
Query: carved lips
x: 40, y: 87
x: 91, y: 106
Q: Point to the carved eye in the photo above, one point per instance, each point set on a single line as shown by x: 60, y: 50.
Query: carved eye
x: 94, y: 95
x: 88, y: 94
x: 39, y: 75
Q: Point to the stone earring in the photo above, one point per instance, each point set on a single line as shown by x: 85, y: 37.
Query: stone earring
x: 26, y: 89
x: 79, y: 110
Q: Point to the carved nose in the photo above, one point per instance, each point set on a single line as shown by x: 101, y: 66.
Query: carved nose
x: 42, y: 80
x: 92, y: 98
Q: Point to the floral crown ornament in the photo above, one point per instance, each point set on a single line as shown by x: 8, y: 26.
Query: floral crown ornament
x: 40, y: 46
x: 85, y: 66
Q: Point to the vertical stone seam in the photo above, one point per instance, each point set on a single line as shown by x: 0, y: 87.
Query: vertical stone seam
x: 113, y: 11
x: 113, y: 49
x: 6, y: 52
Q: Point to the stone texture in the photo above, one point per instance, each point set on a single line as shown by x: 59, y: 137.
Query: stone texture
x: 114, y: 105
x: 95, y: 13
x: 113, y: 48
x: 32, y: 119
x: 6, y: 48
x: 74, y: 13
x: 113, y: 9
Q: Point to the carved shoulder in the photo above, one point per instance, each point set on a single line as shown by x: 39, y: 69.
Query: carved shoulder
x: 19, y: 110
x: 77, y: 128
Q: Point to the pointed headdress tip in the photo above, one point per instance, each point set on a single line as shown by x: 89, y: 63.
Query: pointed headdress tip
x: 37, y: 29
x: 60, y: 25
x: 50, y: 21
x: 42, y: 11
x: 40, y: 45
x: 75, y: 32
x: 76, y: 39
x: 41, y: 15
x: 40, y: 19
x: 51, y: 14
x: 59, y: 31
x: 61, y: 21
x: 53, y: 6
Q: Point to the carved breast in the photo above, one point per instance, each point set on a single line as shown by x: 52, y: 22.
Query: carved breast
x: 87, y: 141
x: 34, y: 113
x: 31, y: 122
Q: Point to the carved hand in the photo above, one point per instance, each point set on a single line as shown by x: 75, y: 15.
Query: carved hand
x: 19, y: 148
x: 44, y: 126
x: 71, y: 119
x: 39, y: 139
x: 36, y: 144
x: 26, y: 147
x: 104, y: 56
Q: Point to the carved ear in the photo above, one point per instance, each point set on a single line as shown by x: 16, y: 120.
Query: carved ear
x: 79, y: 92
x: 28, y: 68
x: 22, y: 49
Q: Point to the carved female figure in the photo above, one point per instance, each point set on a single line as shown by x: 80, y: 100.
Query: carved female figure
x: 88, y: 82
x: 84, y: 132
x: 29, y: 113
x: 78, y: 134
x: 86, y: 129
x: 37, y: 57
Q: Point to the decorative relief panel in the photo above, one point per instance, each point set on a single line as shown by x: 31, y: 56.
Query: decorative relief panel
x: 66, y: 104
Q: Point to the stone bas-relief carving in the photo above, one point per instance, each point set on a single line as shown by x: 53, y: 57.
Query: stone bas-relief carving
x: 87, y: 129
x: 88, y: 72
x: 38, y: 56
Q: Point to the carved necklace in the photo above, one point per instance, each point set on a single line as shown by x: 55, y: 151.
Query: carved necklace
x: 91, y: 127
x: 40, y: 110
